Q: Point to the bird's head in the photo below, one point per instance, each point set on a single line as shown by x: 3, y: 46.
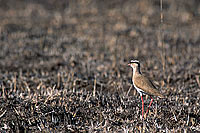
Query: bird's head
x: 135, y: 64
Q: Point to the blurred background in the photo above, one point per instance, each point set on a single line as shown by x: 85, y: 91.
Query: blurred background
x: 50, y: 48
x: 91, y: 37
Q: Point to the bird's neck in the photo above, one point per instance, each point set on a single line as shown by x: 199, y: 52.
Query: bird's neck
x: 136, y: 72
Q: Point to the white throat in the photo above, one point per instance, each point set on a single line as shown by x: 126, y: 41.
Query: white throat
x: 134, y: 71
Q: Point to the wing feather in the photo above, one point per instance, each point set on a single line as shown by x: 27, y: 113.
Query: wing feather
x: 146, y: 85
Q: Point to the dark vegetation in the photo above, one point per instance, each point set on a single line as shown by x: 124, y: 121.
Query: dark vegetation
x: 63, y: 65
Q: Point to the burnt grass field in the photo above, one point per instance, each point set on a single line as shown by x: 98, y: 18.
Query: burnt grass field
x: 63, y: 65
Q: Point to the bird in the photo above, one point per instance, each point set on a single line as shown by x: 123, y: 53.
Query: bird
x: 143, y: 85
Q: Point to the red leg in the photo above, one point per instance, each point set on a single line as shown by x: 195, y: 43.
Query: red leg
x: 149, y: 106
x: 142, y: 106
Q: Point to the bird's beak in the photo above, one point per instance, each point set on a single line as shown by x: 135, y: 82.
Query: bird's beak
x: 129, y: 64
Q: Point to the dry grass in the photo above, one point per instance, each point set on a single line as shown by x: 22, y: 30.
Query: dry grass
x: 63, y: 65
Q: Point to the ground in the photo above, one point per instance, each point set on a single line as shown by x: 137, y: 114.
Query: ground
x: 63, y: 65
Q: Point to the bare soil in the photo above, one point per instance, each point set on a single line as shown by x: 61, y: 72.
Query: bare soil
x: 63, y: 65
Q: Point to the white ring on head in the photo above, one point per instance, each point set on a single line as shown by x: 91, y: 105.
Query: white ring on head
x: 135, y: 61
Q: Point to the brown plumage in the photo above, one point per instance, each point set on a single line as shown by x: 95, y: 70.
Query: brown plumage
x: 142, y: 84
x: 146, y: 85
